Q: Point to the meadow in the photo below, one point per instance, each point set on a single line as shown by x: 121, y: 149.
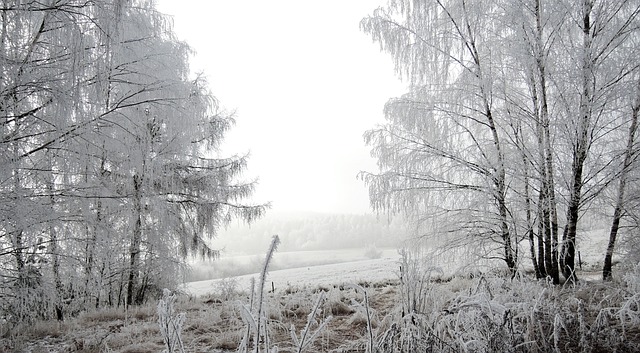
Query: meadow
x: 393, y: 303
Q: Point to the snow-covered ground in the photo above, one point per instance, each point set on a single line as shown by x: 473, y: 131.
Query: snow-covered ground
x: 310, y: 269
x: 370, y: 270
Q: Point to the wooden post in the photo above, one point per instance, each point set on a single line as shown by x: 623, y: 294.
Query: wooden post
x: 579, y: 261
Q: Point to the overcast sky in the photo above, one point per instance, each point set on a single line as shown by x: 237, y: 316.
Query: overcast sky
x: 305, y: 83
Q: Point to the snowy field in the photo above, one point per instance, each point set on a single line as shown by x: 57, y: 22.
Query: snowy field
x: 347, y: 270
x: 310, y: 269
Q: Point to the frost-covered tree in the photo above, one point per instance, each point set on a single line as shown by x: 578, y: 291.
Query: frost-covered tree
x: 442, y: 152
x: 538, y: 38
x: 111, y: 173
x: 38, y: 58
x: 517, y: 112
x: 166, y: 129
x: 622, y: 205
x: 600, y: 54
x: 532, y: 31
x: 551, y: 54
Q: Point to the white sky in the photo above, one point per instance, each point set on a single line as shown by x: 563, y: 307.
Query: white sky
x: 305, y: 83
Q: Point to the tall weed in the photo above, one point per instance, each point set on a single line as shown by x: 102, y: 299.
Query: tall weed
x: 170, y: 323
x: 255, y: 318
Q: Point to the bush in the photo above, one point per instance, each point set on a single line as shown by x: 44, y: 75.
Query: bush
x: 227, y: 288
x: 372, y: 252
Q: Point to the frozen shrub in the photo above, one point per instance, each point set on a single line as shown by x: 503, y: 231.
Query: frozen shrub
x: 364, y: 309
x: 632, y: 279
x: 415, y: 277
x: 629, y: 312
x: 227, y: 287
x: 372, y: 252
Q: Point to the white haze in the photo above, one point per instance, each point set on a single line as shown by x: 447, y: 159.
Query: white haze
x: 305, y: 83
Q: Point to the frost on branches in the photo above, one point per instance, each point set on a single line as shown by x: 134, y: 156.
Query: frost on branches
x: 109, y: 152
x: 517, y: 112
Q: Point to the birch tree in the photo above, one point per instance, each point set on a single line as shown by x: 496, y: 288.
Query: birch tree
x: 34, y: 106
x: 443, y: 139
x: 534, y: 33
x: 599, y: 56
x: 517, y: 103
x: 630, y: 154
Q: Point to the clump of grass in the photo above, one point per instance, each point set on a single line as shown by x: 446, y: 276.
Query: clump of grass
x: 143, y: 313
x: 308, y: 334
x: 144, y: 347
x: 365, y: 310
x: 53, y: 329
x: 102, y: 315
x: 336, y: 304
x: 492, y: 313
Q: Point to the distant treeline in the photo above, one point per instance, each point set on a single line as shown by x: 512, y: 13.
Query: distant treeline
x: 314, y: 231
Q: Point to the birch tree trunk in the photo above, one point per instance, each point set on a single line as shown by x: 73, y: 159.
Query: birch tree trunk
x: 530, y: 233
x: 499, y: 169
x: 136, y: 240
x: 551, y: 216
x: 548, y: 219
x: 580, y: 148
x: 618, y: 211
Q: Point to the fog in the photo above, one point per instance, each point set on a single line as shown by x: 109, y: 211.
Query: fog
x: 305, y: 84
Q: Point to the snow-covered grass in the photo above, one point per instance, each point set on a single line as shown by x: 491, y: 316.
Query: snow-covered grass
x: 485, y: 313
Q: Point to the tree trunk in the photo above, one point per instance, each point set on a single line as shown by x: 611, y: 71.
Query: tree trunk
x: 581, y: 149
x: 617, y: 213
x: 550, y: 216
x: 527, y: 201
x: 546, y: 212
x: 540, y: 236
x: 549, y: 244
x: 55, y: 257
x: 542, y: 193
x: 567, y: 259
x: 500, y: 194
x: 92, y: 234
x: 553, y: 215
x: 18, y: 248
x: 499, y: 177
x: 134, y: 259
x: 500, y: 173
x: 551, y: 219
